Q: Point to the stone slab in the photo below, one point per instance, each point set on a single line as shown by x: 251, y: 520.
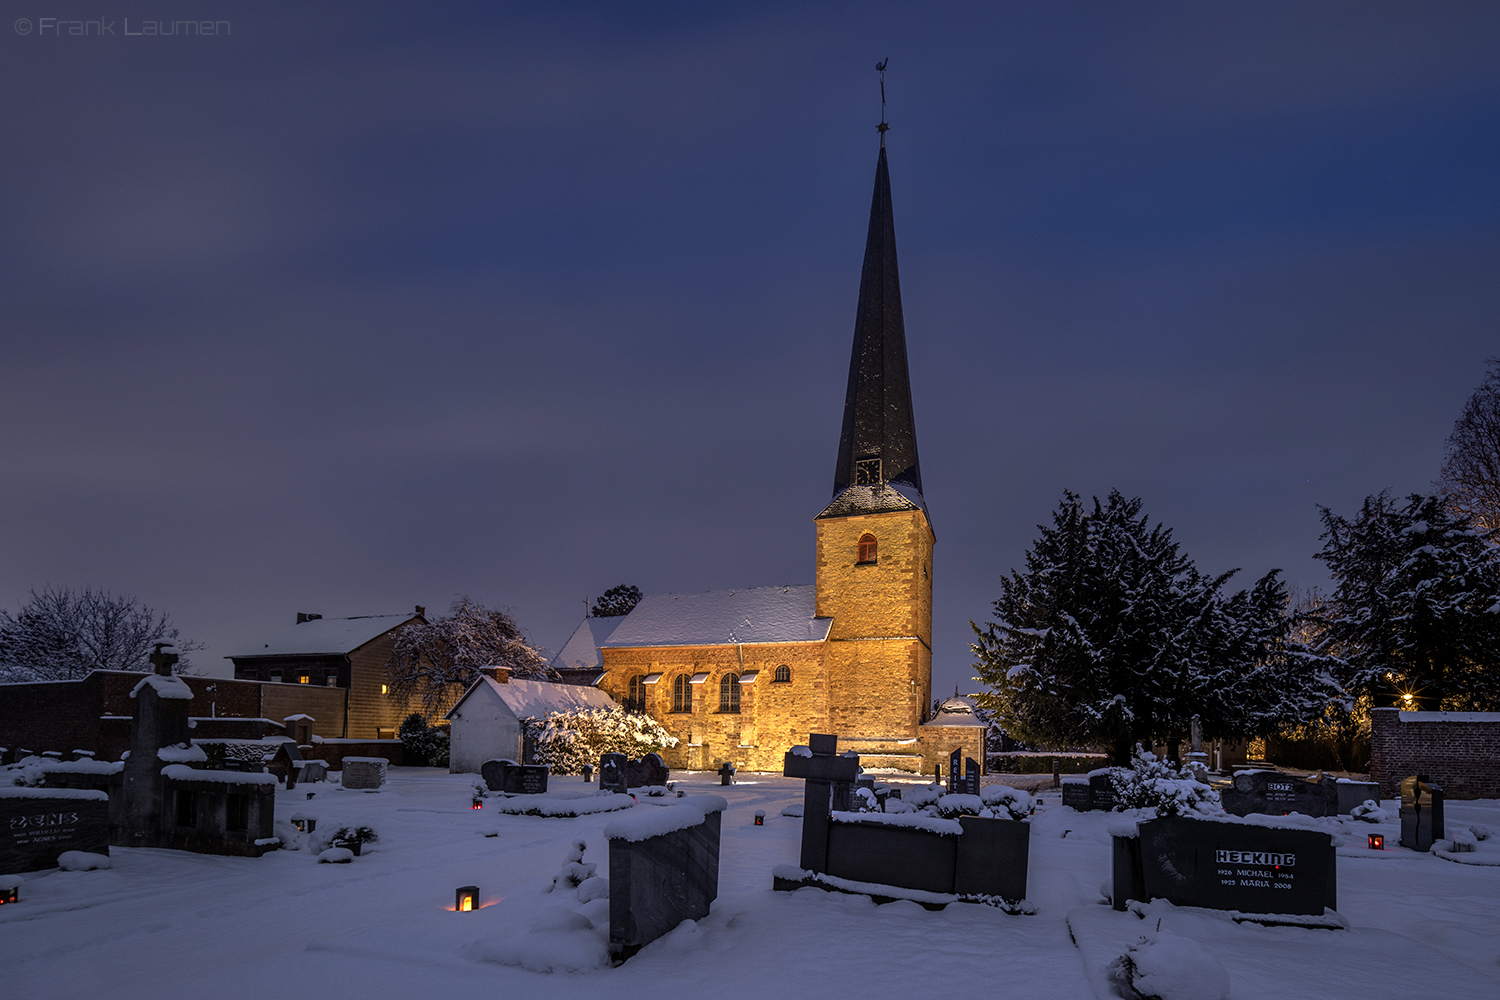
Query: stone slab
x: 892, y: 855
x: 657, y: 883
x: 1274, y: 794
x: 35, y: 830
x: 364, y: 772
x: 992, y: 858
x: 1227, y: 866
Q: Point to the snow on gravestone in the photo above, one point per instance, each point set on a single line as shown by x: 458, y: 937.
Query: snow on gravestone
x: 1275, y: 794
x: 364, y: 772
x: 663, y: 869
x: 39, y: 824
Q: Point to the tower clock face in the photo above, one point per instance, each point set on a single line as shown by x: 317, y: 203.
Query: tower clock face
x: 867, y: 472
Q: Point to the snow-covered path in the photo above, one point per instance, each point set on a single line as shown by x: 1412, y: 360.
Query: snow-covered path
x: 169, y: 923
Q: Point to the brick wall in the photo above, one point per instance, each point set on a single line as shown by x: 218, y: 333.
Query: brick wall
x: 1459, y: 751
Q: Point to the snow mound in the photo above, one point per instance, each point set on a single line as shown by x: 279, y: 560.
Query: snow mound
x: 564, y: 805
x: 83, y: 861
x: 681, y: 814
x: 1167, y: 966
x: 561, y: 940
x: 1370, y: 812
x: 336, y: 856
x: 911, y: 820
x: 793, y: 811
x: 172, y: 688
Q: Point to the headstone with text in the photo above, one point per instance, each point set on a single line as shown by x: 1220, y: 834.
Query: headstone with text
x: 971, y: 776
x: 612, y: 773
x: 38, y: 824
x: 955, y: 772
x: 1275, y: 794
x: 364, y: 773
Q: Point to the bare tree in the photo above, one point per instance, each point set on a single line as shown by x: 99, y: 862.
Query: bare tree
x: 1470, y: 475
x: 62, y: 633
x: 434, y: 662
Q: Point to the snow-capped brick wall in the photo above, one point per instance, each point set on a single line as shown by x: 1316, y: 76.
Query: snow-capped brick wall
x: 1458, y: 751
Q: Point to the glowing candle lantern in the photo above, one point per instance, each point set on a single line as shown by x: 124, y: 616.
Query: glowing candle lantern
x: 9, y: 894
x: 478, y: 803
x: 1377, y: 842
x: 467, y: 898
x: 760, y: 817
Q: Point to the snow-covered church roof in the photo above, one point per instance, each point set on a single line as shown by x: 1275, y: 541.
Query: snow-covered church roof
x: 537, y: 699
x: 581, y: 651
x: 323, y: 636
x: 723, y: 617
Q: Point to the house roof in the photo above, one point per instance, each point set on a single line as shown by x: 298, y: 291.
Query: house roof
x: 323, y: 636
x: 723, y: 617
x: 536, y: 699
x: 581, y: 651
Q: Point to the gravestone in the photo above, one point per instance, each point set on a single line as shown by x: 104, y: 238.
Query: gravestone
x: 312, y: 770
x: 726, y: 773
x: 829, y: 780
x: 364, y: 773
x: 992, y: 858
x: 649, y: 770
x: 656, y: 883
x: 38, y: 824
x: 1354, y: 793
x: 1075, y: 794
x: 1421, y: 813
x: 1101, y: 792
x: 955, y: 769
x: 971, y: 776
x: 1227, y: 866
x: 510, y: 778
x: 612, y: 773
x: 1275, y: 794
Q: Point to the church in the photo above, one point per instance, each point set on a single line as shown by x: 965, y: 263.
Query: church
x: 744, y: 675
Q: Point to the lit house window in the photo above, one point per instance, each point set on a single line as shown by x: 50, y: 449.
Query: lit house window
x: 385, y: 689
x: 682, y: 694
x: 867, y: 549
x: 304, y: 679
x: 783, y: 675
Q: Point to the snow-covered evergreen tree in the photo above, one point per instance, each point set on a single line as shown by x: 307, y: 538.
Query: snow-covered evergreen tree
x: 1417, y: 603
x: 432, y: 663
x: 1111, y: 636
x: 1470, y: 475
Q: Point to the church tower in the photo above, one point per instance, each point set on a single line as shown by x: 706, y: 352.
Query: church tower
x: 874, y: 572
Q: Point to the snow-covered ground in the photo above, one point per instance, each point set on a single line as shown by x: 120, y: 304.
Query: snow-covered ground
x: 165, y: 923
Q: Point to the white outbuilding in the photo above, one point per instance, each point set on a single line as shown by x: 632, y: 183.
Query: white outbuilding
x: 485, y: 723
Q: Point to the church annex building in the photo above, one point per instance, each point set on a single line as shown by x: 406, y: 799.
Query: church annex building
x: 744, y: 675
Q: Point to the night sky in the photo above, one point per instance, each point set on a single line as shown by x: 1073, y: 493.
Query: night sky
x: 373, y: 305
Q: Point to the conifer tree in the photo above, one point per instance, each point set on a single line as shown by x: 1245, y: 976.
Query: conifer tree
x: 1417, y: 602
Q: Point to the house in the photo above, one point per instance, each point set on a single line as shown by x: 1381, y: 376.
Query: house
x: 349, y: 654
x: 486, y: 721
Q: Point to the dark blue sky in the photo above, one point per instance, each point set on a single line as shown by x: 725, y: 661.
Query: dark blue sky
x: 366, y: 306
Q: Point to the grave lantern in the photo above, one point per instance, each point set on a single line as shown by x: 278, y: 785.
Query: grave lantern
x: 9, y: 894
x: 1377, y: 842
x: 478, y: 803
x: 467, y: 898
x: 760, y: 817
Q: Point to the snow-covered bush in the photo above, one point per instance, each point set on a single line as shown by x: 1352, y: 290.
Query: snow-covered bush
x: 956, y: 805
x: 1150, y: 783
x: 1369, y: 810
x: 1002, y: 801
x: 1482, y: 832
x: 566, y: 741
x: 348, y: 836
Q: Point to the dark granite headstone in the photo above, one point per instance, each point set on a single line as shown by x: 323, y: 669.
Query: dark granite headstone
x: 891, y: 855
x: 657, y: 883
x: 1227, y: 866
x: 1275, y: 794
x: 1354, y: 793
x: 1075, y: 794
x: 1421, y: 813
x: 1101, y: 792
x: 612, y: 773
x: 823, y: 744
x: 830, y: 780
x: 510, y: 778
x: 36, y: 828
x: 493, y: 773
x: 955, y: 769
x: 649, y: 770
x: 992, y: 858
x: 726, y: 773
x: 971, y: 776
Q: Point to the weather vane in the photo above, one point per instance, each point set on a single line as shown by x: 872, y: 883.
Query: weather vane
x: 883, y: 127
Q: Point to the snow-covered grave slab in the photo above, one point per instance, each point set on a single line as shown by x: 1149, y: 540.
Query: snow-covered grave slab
x: 564, y: 804
x: 664, y: 869
x: 383, y: 926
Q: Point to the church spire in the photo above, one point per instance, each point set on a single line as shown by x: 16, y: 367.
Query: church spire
x: 879, y: 440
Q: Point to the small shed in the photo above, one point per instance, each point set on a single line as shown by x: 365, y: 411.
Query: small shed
x: 485, y: 723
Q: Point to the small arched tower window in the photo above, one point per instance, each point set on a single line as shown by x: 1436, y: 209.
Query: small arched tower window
x: 867, y: 549
x: 783, y: 675
x: 729, y: 694
x: 682, y: 694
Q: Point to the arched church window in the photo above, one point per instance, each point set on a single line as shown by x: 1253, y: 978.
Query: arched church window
x: 682, y: 694
x: 867, y: 549
x: 783, y: 675
x: 637, y: 699
x: 729, y: 694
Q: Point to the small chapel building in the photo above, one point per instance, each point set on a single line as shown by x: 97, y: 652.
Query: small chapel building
x: 744, y: 675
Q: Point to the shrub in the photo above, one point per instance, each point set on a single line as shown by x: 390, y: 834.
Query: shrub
x: 1150, y: 783
x: 423, y: 745
x: 566, y: 741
